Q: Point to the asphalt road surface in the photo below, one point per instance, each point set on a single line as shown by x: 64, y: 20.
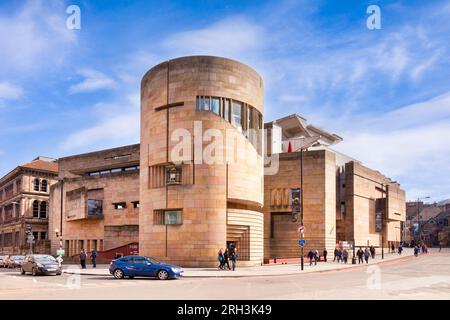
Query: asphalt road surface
x: 425, y: 277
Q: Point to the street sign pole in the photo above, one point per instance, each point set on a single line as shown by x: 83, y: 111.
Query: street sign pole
x: 301, y: 203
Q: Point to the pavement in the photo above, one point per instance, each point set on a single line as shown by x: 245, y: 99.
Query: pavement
x: 264, y: 270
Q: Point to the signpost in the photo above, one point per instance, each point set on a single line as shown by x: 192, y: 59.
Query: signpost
x: 301, y: 229
x: 301, y: 242
x: 30, y: 240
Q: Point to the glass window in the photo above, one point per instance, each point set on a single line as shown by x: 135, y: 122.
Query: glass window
x: 199, y: 105
x: 35, y: 209
x: 94, y: 207
x: 43, y: 210
x: 236, y: 115
x: 215, y: 105
x: 44, y: 186
x: 120, y: 205
x: 43, y: 235
x: 206, y: 105
x: 36, y: 235
x: 173, y: 217
x: 36, y: 185
x: 140, y: 260
x: 226, y: 109
x: 173, y: 175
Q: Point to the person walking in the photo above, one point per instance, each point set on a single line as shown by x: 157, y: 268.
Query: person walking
x: 366, y: 255
x: 310, y: 257
x: 440, y: 246
x: 316, y: 257
x: 360, y: 255
x: 233, y: 258
x: 416, y: 251
x: 372, y: 251
x: 345, y: 255
x: 83, y: 259
x: 336, y: 254
x: 325, y: 253
x: 400, y: 249
x: 60, y: 260
x: 220, y: 259
x: 226, y: 258
x: 94, y: 258
x: 393, y: 247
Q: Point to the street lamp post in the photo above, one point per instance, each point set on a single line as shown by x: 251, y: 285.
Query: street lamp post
x: 301, y: 203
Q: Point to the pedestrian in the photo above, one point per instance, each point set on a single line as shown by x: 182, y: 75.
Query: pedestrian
x: 226, y: 258
x: 316, y: 257
x: 325, y: 253
x: 372, y: 251
x: 94, y: 258
x: 60, y: 260
x: 83, y: 259
x: 393, y: 247
x: 440, y: 246
x: 336, y: 254
x: 366, y: 255
x: 400, y: 249
x: 233, y: 258
x: 345, y: 255
x: 416, y: 250
x: 310, y: 257
x: 220, y: 259
x: 360, y: 255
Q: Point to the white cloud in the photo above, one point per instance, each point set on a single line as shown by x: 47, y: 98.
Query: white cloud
x: 229, y: 37
x: 34, y: 36
x: 93, y: 81
x: 410, y: 144
x: 116, y: 125
x: 9, y: 91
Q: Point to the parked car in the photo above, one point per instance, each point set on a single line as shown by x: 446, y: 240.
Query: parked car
x: 14, y: 261
x: 38, y: 264
x: 140, y: 266
x: 3, y: 261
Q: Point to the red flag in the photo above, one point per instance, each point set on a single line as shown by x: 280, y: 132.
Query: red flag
x: 290, y: 147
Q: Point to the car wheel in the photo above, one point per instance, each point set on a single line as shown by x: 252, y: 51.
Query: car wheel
x: 34, y: 272
x: 118, y: 274
x: 163, y: 275
x: 22, y: 271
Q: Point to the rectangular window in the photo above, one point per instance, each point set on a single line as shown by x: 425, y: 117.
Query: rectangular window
x: 36, y: 235
x: 120, y: 205
x: 173, y: 175
x: 173, y: 217
x: 94, y: 208
x: 167, y: 217
x: 236, y: 115
x: 43, y: 235
x: 206, y: 104
x: 135, y: 204
x: 215, y: 105
x: 226, y: 109
x: 199, y: 105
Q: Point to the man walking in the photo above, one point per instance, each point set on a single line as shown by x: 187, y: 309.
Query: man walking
x: 360, y: 255
x: 336, y: 253
x: 372, y: 251
x: 325, y: 253
x: 310, y: 257
x: 94, y: 258
x: 233, y: 258
x: 83, y: 259
x: 345, y: 255
x: 366, y: 255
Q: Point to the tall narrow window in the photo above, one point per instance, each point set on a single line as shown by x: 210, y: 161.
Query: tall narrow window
x: 35, y: 209
x: 199, y: 103
x: 43, y: 210
x: 44, y: 185
x: 236, y: 115
x: 36, y: 184
x: 215, y: 105
x: 226, y: 109
x: 206, y: 103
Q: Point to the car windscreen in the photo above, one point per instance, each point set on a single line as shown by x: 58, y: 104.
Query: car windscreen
x: 44, y: 258
x: 17, y: 257
x: 154, y: 261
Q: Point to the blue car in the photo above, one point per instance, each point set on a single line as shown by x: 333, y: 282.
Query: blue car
x: 139, y: 266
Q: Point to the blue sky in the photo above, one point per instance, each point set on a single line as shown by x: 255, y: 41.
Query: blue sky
x: 386, y: 92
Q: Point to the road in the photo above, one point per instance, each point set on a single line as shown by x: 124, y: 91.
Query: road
x: 425, y: 277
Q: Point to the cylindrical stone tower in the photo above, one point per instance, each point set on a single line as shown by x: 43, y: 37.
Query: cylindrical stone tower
x: 201, y: 167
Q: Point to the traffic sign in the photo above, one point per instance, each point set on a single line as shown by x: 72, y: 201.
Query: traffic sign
x: 301, y: 242
x: 301, y: 229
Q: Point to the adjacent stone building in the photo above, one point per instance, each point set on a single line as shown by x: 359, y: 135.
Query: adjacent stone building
x: 24, y: 206
x: 100, y: 201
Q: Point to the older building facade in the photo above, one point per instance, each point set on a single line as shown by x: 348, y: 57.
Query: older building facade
x: 100, y: 201
x: 24, y: 206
